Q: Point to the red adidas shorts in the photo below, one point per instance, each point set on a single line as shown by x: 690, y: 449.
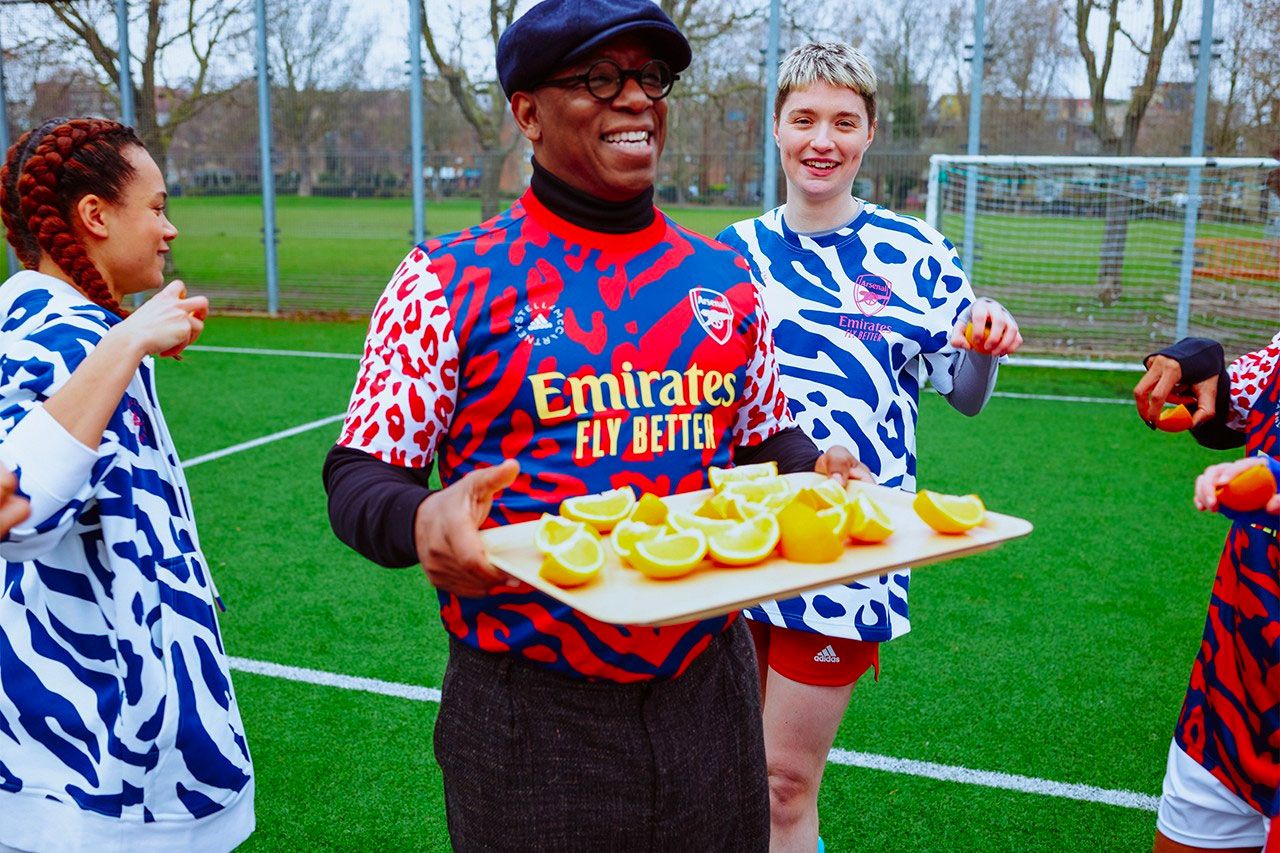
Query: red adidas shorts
x: 812, y: 658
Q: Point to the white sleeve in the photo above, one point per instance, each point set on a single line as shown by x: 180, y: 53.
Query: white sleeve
x: 407, y: 387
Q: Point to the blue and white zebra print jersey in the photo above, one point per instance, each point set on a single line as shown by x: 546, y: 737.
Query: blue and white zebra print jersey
x: 858, y: 315
x: 119, y: 729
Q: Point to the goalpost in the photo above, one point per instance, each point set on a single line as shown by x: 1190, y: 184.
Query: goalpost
x: 1105, y: 259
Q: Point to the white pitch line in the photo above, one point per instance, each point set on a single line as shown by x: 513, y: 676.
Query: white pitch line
x: 1060, y: 398
x: 992, y: 779
x: 282, y: 352
x: 888, y: 764
x: 333, y: 679
x: 258, y: 442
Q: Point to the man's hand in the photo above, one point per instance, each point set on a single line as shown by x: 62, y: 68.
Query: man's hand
x: 995, y: 332
x: 13, y: 509
x: 1217, y: 476
x: 839, y: 464
x: 1162, y: 383
x: 446, y: 531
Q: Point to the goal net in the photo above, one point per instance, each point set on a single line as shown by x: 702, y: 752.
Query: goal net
x: 1111, y: 258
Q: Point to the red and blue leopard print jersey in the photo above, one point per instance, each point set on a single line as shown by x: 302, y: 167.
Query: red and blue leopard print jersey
x: 595, y: 360
x: 1230, y: 720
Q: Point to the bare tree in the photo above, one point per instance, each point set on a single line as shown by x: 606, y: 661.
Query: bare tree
x: 316, y: 59
x: 482, y: 103
x: 1098, y: 67
x: 199, y: 26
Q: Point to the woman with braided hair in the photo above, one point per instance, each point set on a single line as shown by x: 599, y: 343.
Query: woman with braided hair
x: 119, y: 729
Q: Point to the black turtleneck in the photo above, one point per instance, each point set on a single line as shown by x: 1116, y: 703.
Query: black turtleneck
x: 585, y: 210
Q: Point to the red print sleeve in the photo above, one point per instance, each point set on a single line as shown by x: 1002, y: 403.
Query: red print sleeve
x: 406, y: 389
x: 764, y: 406
x: 1249, y: 374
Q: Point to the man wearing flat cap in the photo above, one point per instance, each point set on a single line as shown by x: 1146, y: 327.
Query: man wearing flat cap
x: 578, y: 342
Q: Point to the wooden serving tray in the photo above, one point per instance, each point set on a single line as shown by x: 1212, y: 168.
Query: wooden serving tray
x: 622, y: 596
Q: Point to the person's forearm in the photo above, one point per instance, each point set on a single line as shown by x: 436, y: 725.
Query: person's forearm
x: 372, y: 505
x: 973, y: 378
x: 84, y: 404
x: 790, y: 448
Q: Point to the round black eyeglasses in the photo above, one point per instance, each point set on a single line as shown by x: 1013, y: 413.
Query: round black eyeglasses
x: 606, y: 78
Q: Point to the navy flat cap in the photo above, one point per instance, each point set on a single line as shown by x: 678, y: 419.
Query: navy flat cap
x: 554, y: 33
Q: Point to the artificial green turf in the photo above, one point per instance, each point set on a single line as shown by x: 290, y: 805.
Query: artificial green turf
x: 1060, y: 656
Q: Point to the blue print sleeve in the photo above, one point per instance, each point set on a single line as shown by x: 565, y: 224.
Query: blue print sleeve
x: 55, y: 472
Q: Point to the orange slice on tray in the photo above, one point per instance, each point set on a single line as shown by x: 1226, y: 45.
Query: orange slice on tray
x: 867, y: 521
x: 574, y: 561
x: 774, y: 493
x: 823, y: 494
x: 650, y: 510
x: 721, y: 477
x: 670, y: 555
x: 1249, y: 490
x: 746, y: 542
x: 601, y: 511
x: 949, y: 513
x: 679, y: 521
x: 807, y: 537
x: 628, y: 533
x: 554, y: 530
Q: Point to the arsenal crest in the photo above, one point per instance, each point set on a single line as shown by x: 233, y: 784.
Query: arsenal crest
x: 871, y: 293
x: 714, y: 312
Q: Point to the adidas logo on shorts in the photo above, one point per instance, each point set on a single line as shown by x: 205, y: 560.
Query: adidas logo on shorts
x: 827, y: 655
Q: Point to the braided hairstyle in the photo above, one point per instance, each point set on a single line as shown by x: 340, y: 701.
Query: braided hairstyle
x: 46, y: 173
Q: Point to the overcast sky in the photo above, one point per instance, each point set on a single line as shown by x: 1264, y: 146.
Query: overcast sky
x: 391, y: 17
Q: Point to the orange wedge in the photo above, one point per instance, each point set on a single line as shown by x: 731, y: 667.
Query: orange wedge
x: 775, y: 493
x: 806, y: 537
x: 628, y: 533
x: 823, y: 494
x: 868, y: 522
x: 1176, y: 419
x: 573, y: 562
x: 554, y: 530
x: 649, y: 510
x: 670, y: 555
x: 721, y: 477
x: 680, y: 521
x: 746, y: 542
x: 949, y: 513
x: 1249, y: 490
x: 601, y: 511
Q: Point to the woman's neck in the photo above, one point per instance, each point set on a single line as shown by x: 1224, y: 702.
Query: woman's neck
x: 807, y: 216
x: 48, y: 266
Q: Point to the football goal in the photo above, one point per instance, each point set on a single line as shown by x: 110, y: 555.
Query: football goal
x: 1104, y: 259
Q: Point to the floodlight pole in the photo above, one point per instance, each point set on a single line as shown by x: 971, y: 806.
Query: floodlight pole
x: 415, y: 122
x: 268, y: 175
x: 125, y: 79
x: 1193, y: 173
x: 769, y: 187
x: 11, y: 259
x: 978, y: 66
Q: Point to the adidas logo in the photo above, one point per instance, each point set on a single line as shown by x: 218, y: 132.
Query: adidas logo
x: 827, y: 655
x: 540, y: 323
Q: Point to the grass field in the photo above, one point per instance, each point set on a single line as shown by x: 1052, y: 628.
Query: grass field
x: 1061, y: 657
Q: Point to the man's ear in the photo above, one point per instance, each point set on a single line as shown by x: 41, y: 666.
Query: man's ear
x: 90, y: 215
x: 871, y: 131
x: 524, y: 109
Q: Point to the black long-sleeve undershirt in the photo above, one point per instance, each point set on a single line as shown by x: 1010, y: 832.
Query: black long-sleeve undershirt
x: 372, y: 504
x: 1200, y: 359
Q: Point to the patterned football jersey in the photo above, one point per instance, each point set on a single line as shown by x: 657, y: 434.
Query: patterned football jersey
x: 119, y: 729
x: 861, y: 316
x: 1230, y: 720
x: 597, y: 361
